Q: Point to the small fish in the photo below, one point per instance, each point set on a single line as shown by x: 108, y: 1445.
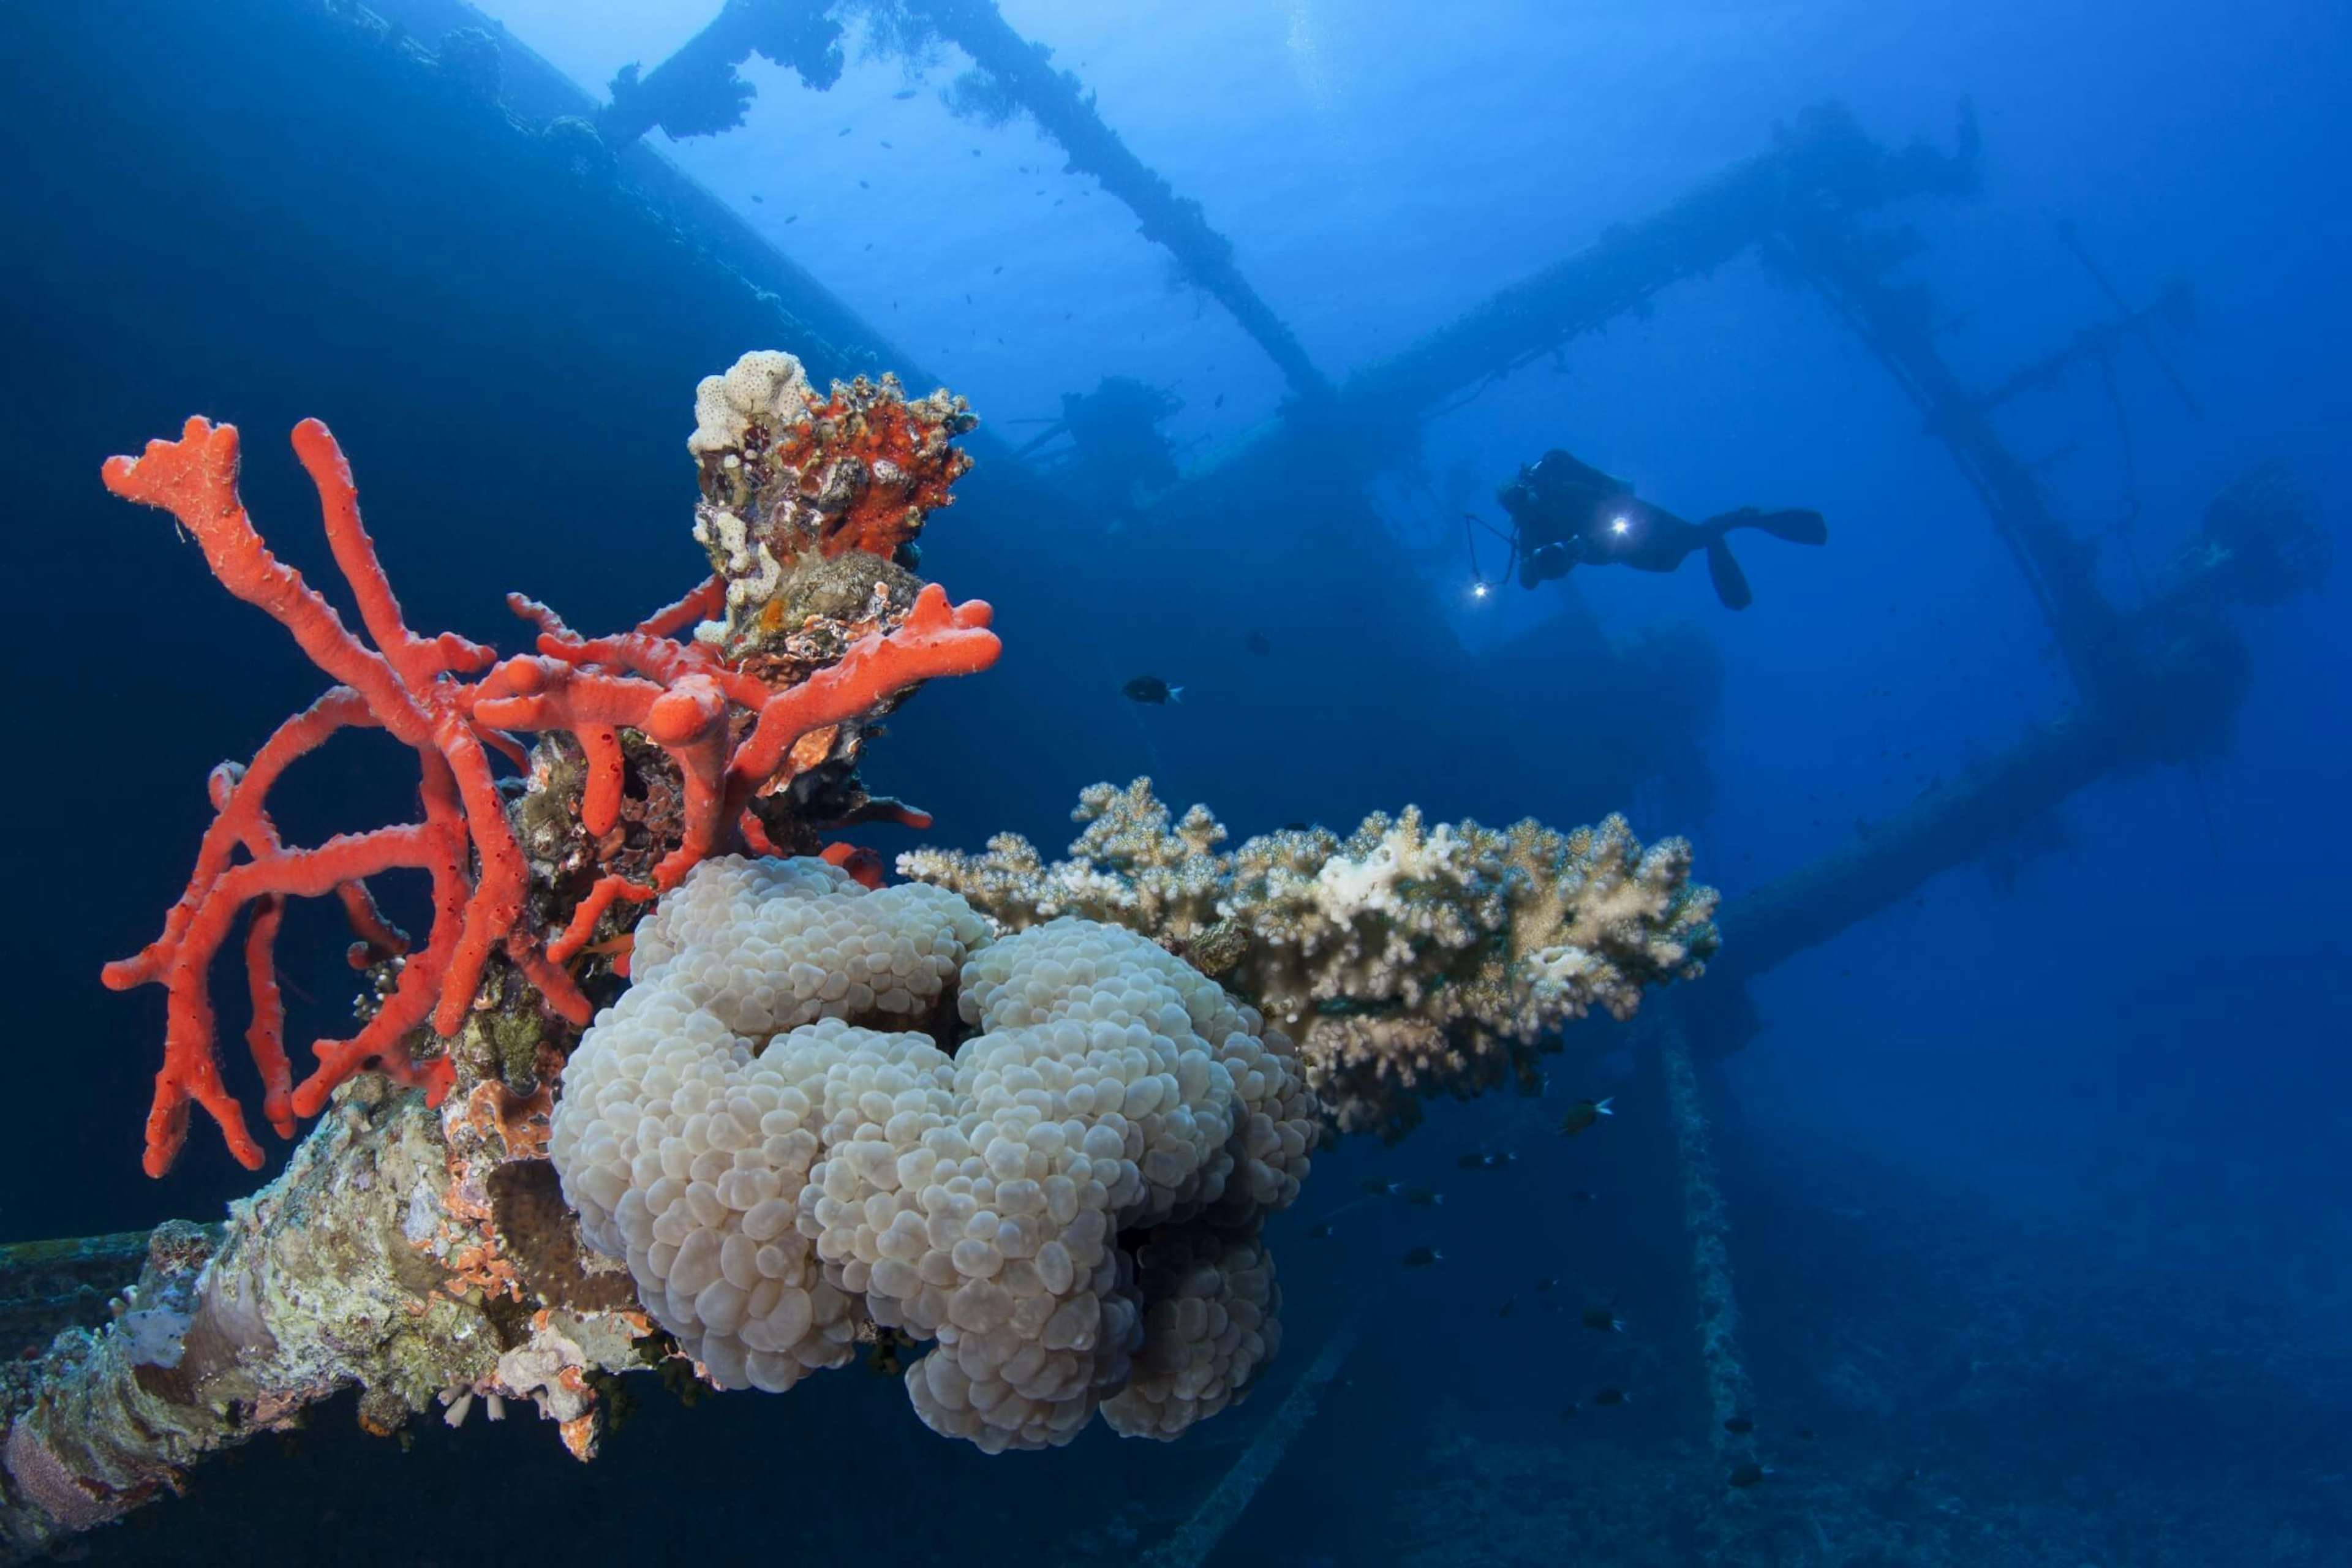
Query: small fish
x: 1320, y: 1232
x: 1491, y: 1160
x: 1581, y: 1197
x: 975, y: 151
x: 1739, y: 1426
x: 1584, y: 1113
x: 794, y: 218
x: 1152, y: 690
x: 1609, y: 1396
x: 1377, y: 1188
x: 1509, y: 1302
x: 1548, y: 1281
x: 1423, y: 1197
x: 758, y: 200
x: 1220, y: 403
x: 1422, y: 1257
x: 843, y: 132
x: 995, y: 269
x: 1804, y: 1434
x: 1258, y: 642
x: 1601, y: 1320
x: 863, y: 186
x: 903, y: 94
x: 888, y: 148
x: 1748, y: 1474
x: 1295, y: 828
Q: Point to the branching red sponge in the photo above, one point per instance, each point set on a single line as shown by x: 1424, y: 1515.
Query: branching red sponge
x: 450, y: 701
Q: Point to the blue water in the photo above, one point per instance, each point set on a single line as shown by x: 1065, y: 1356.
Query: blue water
x: 2036, y: 1183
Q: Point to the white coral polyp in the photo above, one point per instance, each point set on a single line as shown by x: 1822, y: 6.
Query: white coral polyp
x: 778, y: 1175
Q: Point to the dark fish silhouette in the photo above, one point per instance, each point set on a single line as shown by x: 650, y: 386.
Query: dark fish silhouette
x: 1422, y: 1257
x: 1584, y: 1113
x: 1748, y: 1474
x: 1258, y: 642
x: 1603, y: 1321
x: 1152, y: 690
x: 1609, y: 1396
x: 1739, y: 1426
x: 1377, y: 1188
x: 1423, y: 1197
x: 903, y: 94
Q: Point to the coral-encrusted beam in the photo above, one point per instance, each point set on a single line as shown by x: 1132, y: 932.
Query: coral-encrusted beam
x: 680, y: 696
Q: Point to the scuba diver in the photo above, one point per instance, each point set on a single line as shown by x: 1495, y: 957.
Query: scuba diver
x: 1565, y: 512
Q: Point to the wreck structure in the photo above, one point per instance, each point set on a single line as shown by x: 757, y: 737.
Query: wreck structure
x: 433, y: 107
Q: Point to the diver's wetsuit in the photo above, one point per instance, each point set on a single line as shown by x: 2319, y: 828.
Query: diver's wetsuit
x: 1568, y: 512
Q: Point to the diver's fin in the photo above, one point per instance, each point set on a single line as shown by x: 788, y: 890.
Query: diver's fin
x: 1798, y: 526
x: 1730, y: 582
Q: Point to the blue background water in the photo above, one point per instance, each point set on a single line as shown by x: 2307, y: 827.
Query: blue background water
x: 1992, y: 1157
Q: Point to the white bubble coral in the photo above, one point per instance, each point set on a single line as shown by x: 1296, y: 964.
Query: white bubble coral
x: 784, y: 1178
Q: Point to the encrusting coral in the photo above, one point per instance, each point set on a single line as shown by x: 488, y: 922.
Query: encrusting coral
x: 811, y: 505
x: 1406, y: 959
x: 780, y: 1129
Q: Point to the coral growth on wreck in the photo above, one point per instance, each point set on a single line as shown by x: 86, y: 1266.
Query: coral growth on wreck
x: 1405, y: 959
x: 650, y: 754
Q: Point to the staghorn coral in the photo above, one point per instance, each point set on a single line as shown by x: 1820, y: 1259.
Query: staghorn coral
x: 770, y: 1128
x: 1406, y: 958
x: 811, y: 505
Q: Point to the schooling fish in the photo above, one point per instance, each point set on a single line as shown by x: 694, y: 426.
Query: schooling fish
x: 1748, y: 1474
x: 1152, y: 690
x: 1374, y: 1187
x: 1602, y: 1320
x: 1423, y: 1197
x: 1609, y: 1396
x: 1584, y: 1113
x: 1422, y: 1257
x: 1491, y: 1160
x: 1320, y: 1232
x: 1739, y: 1426
x: 903, y: 94
x: 1258, y: 642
